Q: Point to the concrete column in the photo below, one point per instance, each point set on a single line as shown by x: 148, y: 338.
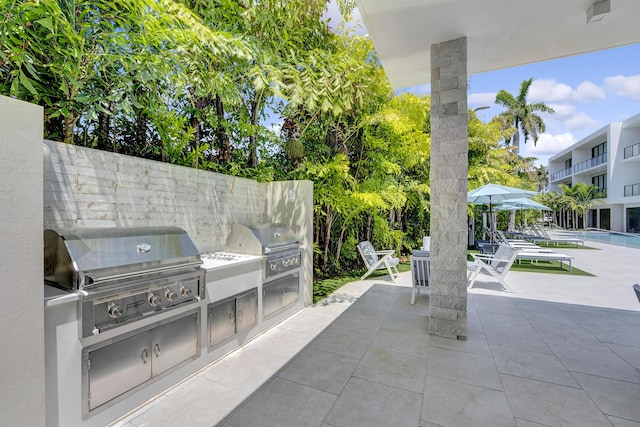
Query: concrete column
x: 449, y: 165
x: 21, y: 269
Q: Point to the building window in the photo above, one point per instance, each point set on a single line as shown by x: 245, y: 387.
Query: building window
x: 600, y: 181
x: 567, y: 164
x: 599, y: 150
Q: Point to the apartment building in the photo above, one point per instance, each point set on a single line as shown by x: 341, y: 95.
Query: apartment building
x: 609, y: 158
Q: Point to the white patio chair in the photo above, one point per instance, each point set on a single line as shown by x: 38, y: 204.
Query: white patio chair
x: 496, y: 265
x: 420, y: 264
x: 375, y: 260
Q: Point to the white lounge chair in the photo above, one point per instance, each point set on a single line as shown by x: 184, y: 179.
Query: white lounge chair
x: 496, y: 265
x: 522, y: 245
x: 545, y: 237
x: 375, y: 260
x: 544, y: 256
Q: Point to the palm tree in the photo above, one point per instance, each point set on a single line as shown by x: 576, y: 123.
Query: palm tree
x: 581, y: 198
x: 522, y: 116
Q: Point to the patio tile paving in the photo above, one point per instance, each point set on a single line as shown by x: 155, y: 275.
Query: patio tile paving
x: 535, y: 366
x: 551, y: 404
x: 616, y: 398
x: 365, y: 403
x: 470, y: 368
x: 343, y: 341
x: 284, y: 403
x: 558, y: 351
x: 620, y: 422
x: 413, y: 344
x: 320, y: 369
x: 452, y: 403
x: 393, y: 368
x: 604, y: 364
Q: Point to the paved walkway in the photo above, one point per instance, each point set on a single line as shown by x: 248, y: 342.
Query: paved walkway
x: 558, y: 351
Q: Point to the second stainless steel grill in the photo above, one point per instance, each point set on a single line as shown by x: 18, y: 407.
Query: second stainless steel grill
x: 277, y: 242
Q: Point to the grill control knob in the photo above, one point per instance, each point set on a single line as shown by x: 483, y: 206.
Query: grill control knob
x: 185, y: 292
x: 154, y: 300
x: 171, y: 295
x: 114, y: 311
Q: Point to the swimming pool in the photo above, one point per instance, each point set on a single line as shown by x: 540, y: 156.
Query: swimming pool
x: 611, y: 237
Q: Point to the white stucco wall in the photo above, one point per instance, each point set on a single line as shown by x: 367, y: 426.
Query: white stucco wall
x: 22, y: 397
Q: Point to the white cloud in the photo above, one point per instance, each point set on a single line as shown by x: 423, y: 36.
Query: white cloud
x: 626, y: 86
x: 550, y: 144
x: 570, y: 118
x: 482, y: 99
x: 549, y: 90
x: 587, y: 91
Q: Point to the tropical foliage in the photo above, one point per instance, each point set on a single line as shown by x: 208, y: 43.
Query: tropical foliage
x: 264, y: 89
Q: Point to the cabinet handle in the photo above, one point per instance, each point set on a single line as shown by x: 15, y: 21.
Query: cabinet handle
x: 156, y: 349
x: 145, y: 356
x: 240, y: 314
x: 232, y: 316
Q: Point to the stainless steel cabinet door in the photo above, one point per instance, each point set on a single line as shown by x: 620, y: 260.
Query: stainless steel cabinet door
x: 291, y: 289
x: 280, y: 293
x: 117, y: 368
x: 246, y: 311
x: 222, y: 321
x: 271, y: 297
x: 174, y: 343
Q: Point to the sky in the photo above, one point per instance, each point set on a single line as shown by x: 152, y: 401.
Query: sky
x: 586, y: 91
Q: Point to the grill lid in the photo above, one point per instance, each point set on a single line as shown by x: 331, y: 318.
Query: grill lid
x: 74, y: 258
x: 260, y: 238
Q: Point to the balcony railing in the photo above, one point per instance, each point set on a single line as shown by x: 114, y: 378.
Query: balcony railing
x: 632, y: 190
x: 632, y: 151
x: 557, y: 175
x: 587, y: 164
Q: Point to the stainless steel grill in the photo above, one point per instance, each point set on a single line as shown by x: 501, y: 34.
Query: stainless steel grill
x: 277, y: 242
x: 281, y: 266
x: 123, y: 274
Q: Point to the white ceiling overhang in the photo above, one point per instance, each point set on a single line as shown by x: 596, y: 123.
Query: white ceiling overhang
x: 500, y: 33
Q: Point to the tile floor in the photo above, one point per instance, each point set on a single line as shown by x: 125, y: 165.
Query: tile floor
x: 558, y: 351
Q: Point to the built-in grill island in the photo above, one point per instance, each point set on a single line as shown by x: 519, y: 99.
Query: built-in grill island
x: 132, y: 295
x: 132, y: 311
x: 282, y: 254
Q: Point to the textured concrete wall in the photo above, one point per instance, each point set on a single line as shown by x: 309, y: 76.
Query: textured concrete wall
x: 449, y: 165
x: 22, y: 383
x: 92, y: 188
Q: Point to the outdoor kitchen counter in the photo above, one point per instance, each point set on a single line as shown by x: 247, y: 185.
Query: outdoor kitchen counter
x: 223, y: 260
